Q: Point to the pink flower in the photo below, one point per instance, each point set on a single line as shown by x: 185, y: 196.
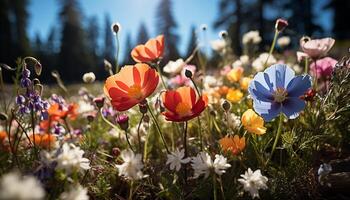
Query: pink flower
x: 301, y: 56
x: 323, y: 68
x: 318, y: 47
x: 181, y: 80
x: 281, y: 24
x: 225, y: 70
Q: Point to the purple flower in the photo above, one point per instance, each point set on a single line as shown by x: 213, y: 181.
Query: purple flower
x: 20, y: 99
x: 26, y: 73
x: 277, y: 90
x: 25, y: 82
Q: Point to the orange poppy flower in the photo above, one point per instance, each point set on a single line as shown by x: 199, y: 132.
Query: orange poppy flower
x: 235, y: 145
x: 131, y: 85
x: 182, y: 104
x: 45, y: 141
x: 56, y: 113
x: 152, y: 50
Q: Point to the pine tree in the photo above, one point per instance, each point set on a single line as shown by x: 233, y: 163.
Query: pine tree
x: 5, y: 33
x: 21, y: 16
x: 192, y: 43
x: 73, y: 54
x: 341, y: 29
x: 93, y: 47
x: 142, y: 35
x: 128, y: 48
x: 109, y: 48
x: 166, y: 25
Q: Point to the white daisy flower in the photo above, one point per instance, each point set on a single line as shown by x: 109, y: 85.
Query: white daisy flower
x: 258, y: 63
x: 131, y: 168
x: 174, y: 67
x: 251, y: 37
x: 89, y: 77
x: 15, y: 186
x: 203, y: 164
x: 71, y: 158
x: 75, y: 193
x: 253, y: 181
x: 176, y: 158
x: 218, y: 45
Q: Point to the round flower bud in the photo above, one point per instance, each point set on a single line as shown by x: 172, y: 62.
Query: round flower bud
x: 20, y: 99
x: 226, y: 105
x: 3, y: 116
x: 281, y: 24
x: 143, y: 108
x: 123, y: 121
x: 25, y: 73
x: 99, y: 101
x: 116, y: 28
x: 25, y: 82
x: 89, y: 77
x: 115, y: 151
x: 223, y: 34
x: 188, y: 73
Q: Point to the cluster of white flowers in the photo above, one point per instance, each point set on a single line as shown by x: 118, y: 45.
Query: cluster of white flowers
x: 75, y: 193
x: 176, y: 158
x: 252, y: 37
x: 233, y: 121
x: 258, y: 63
x: 174, y: 67
x: 241, y: 62
x: 218, y: 45
x: 85, y: 107
x: 253, y: 181
x: 283, y: 41
x: 203, y: 164
x: 89, y: 77
x: 131, y: 168
x: 70, y: 158
x: 15, y: 186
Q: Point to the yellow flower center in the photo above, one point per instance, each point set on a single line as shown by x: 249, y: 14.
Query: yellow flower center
x: 280, y: 95
x: 135, y: 92
x: 183, y: 109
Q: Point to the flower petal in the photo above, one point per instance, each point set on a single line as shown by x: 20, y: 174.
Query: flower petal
x: 292, y: 106
x: 298, y: 86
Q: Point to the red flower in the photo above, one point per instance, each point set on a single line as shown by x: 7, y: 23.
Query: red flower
x: 131, y: 86
x: 152, y: 50
x: 182, y: 104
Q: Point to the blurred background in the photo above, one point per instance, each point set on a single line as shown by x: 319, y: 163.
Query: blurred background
x: 74, y: 36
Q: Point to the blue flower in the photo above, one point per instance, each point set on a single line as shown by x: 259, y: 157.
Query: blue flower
x: 277, y: 90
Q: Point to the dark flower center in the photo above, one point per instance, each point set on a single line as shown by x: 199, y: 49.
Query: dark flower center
x: 280, y: 95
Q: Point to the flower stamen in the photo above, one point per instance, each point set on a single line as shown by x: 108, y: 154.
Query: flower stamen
x: 280, y: 95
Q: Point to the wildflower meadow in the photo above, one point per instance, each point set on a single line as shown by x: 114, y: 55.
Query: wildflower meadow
x: 268, y: 125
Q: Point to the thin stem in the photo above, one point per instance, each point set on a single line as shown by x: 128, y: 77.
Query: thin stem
x: 161, y: 76
x: 221, y: 188
x: 128, y: 141
x: 200, y: 132
x: 107, y: 121
x: 138, y: 134
x: 279, y: 130
x: 185, y: 148
x: 131, y: 190
x: 306, y: 66
x: 214, y: 187
x: 158, y: 128
x: 316, y: 81
x: 196, y: 87
x: 272, y: 47
x: 117, y: 53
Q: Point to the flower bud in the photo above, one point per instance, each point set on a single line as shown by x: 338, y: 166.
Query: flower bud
x: 223, y: 34
x: 3, y: 116
x: 309, y: 95
x: 20, y: 99
x: 38, y: 68
x: 188, y: 73
x: 25, y: 73
x: 281, y: 24
x: 123, y: 121
x: 204, y: 27
x: 115, y: 151
x: 25, y: 82
x: 99, y: 101
x: 90, y: 117
x: 116, y: 28
x: 89, y: 77
x: 143, y: 108
x: 226, y: 105
x: 107, y: 64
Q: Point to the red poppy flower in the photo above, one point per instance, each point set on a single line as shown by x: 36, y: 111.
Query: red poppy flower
x: 131, y: 86
x: 152, y: 50
x: 182, y: 104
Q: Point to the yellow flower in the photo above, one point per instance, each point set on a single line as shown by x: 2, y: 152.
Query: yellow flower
x: 253, y: 123
x: 245, y: 83
x: 235, y: 74
x: 234, y: 95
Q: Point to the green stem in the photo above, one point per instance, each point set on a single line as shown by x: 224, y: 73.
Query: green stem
x: 279, y: 130
x: 117, y: 53
x: 128, y: 141
x: 185, y: 148
x: 200, y: 132
x: 272, y: 46
x: 196, y: 87
x: 214, y: 187
x: 138, y: 133
x: 131, y: 190
x: 107, y: 121
x: 306, y: 66
x: 158, y: 128
x: 161, y: 76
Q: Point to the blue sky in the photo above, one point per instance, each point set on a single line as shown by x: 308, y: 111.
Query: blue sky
x: 129, y: 13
